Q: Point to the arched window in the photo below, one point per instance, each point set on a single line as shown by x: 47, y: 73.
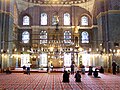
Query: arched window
x: 26, y: 20
x: 66, y: 19
x: 67, y: 37
x: 43, y: 37
x: 84, y: 20
x: 25, y: 37
x: 43, y: 19
x: 85, y: 37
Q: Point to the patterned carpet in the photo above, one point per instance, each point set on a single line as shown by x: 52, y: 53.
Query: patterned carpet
x: 53, y: 81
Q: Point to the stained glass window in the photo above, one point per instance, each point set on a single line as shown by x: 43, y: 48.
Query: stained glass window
x: 84, y: 20
x: 26, y: 20
x: 43, y: 19
x: 43, y: 37
x: 85, y: 37
x: 66, y: 19
x: 25, y: 37
x: 67, y: 37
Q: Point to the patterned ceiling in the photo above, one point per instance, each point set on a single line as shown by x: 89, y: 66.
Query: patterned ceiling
x: 57, y: 1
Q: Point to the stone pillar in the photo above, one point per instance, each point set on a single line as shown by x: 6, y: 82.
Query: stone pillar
x: 10, y: 32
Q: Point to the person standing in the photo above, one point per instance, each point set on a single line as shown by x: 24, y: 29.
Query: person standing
x: 28, y: 68
x: 72, y: 68
x: 64, y: 68
x: 51, y: 66
x: 48, y: 67
x: 24, y: 69
x: 118, y: 69
x: 83, y: 69
x: 114, y: 67
x: 76, y: 68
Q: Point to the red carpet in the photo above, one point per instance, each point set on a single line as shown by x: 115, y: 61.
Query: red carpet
x: 53, y: 81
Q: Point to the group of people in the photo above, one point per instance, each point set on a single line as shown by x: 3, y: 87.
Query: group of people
x: 67, y: 74
x: 77, y: 73
x: 96, y: 71
x: 75, y: 70
x: 115, y: 69
x: 26, y: 69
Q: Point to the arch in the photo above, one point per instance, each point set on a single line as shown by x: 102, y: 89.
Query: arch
x: 89, y: 22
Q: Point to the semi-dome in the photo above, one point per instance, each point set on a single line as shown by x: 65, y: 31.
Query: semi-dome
x: 86, y: 4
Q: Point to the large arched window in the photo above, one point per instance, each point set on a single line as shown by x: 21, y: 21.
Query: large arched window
x: 43, y: 19
x: 25, y: 37
x: 66, y: 19
x: 67, y: 37
x: 43, y: 37
x: 26, y: 20
x: 84, y: 20
x: 85, y: 37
